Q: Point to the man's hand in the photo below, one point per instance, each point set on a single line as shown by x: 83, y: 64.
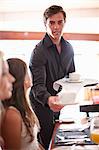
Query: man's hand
x: 54, y: 103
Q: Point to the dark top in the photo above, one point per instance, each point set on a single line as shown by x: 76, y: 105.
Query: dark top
x: 47, y: 66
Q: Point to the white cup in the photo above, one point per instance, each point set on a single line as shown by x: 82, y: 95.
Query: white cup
x: 74, y: 76
x: 67, y: 97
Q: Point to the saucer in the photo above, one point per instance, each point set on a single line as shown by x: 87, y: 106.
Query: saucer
x: 74, y: 81
x: 67, y: 120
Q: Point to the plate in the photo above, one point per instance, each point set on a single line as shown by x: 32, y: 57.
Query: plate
x: 62, y: 147
x: 74, y: 81
x: 74, y: 103
x: 67, y: 120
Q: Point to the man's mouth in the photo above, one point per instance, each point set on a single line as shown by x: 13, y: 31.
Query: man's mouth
x: 56, y: 33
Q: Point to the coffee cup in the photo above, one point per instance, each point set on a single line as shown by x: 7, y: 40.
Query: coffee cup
x: 74, y: 76
x: 67, y: 97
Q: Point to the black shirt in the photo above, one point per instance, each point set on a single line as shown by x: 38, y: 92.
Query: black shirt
x: 47, y: 66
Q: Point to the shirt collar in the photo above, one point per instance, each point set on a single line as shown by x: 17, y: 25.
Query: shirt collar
x: 47, y: 40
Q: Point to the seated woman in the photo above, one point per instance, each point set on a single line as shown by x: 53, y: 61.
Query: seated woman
x: 20, y: 125
x: 6, y: 80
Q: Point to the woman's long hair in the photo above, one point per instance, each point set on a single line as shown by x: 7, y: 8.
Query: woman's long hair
x: 18, y: 69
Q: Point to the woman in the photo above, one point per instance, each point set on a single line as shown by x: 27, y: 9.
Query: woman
x: 6, y: 80
x: 20, y: 123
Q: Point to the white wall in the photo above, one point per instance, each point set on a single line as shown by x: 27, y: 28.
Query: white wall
x: 86, y: 54
x: 82, y: 17
x: 33, y: 21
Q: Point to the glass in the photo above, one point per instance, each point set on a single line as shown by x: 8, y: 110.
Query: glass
x: 94, y: 130
x: 95, y: 95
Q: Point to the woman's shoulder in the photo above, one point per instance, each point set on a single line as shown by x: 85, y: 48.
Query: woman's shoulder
x: 12, y: 115
x: 12, y: 110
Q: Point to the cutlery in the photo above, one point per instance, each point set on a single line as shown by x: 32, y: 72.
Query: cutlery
x: 74, y: 141
x: 93, y: 84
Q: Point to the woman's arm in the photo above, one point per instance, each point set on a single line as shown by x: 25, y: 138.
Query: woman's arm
x: 11, y: 129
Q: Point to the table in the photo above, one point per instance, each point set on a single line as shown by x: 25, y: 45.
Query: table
x: 74, y: 85
x: 79, y: 147
x: 77, y: 88
x: 79, y: 119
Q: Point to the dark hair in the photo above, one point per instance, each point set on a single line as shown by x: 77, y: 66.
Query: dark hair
x: 54, y: 9
x: 18, y: 69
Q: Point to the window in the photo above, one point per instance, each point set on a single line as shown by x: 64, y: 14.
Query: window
x: 86, y: 54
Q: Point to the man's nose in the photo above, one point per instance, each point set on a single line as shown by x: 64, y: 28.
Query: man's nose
x: 56, y: 26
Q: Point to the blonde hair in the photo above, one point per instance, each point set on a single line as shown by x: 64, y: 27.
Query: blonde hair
x: 1, y: 63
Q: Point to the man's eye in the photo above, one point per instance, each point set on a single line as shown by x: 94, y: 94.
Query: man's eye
x: 60, y: 22
x: 52, y: 22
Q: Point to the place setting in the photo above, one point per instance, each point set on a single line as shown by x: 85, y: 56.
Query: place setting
x: 78, y: 136
x: 74, y: 77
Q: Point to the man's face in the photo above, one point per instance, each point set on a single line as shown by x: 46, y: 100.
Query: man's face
x: 54, y: 25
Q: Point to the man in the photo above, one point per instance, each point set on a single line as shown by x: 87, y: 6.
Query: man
x: 52, y: 59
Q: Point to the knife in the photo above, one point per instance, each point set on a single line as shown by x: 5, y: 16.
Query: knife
x: 93, y: 84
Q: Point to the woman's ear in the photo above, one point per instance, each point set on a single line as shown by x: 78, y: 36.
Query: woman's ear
x: 27, y: 81
x: 26, y: 84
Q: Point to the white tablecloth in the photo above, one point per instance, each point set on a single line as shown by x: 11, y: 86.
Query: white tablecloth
x: 73, y: 87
